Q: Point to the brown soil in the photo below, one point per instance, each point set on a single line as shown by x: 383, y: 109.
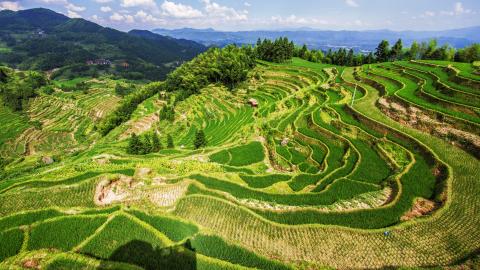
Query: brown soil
x: 140, y: 125
x: 31, y: 264
x: 414, y: 117
x: 113, y: 190
x: 420, y: 208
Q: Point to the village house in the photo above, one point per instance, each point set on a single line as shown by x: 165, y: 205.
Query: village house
x: 253, y: 102
x: 99, y: 62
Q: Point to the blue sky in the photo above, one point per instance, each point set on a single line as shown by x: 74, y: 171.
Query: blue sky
x: 267, y: 14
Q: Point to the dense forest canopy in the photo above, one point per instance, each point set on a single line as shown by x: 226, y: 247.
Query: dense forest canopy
x: 277, y: 51
x: 41, y: 39
x: 228, y: 66
x: 17, y: 87
x: 386, y: 53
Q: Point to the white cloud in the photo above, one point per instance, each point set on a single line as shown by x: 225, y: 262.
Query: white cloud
x: 351, y: 3
x: 73, y: 7
x: 116, y: 17
x: 459, y: 9
x: 106, y: 9
x: 73, y: 14
x: 179, y: 10
x: 129, y: 19
x: 15, y: 6
x: 429, y: 13
x: 247, y: 4
x: 54, y: 1
x: 215, y: 10
x: 103, y: 1
x: 147, y: 18
x: 138, y: 3
x: 292, y: 19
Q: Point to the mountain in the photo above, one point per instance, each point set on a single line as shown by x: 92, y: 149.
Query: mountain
x: 43, y: 39
x: 359, y: 40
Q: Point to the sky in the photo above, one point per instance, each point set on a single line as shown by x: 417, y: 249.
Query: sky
x: 234, y: 15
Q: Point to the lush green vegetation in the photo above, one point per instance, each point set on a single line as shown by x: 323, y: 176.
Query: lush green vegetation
x: 229, y: 66
x: 16, y: 88
x: 384, y: 52
x: 57, y: 233
x: 41, y: 39
x: 235, y: 162
x: 127, y: 107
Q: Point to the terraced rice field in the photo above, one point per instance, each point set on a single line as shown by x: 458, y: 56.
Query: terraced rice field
x: 368, y: 167
x: 65, y: 121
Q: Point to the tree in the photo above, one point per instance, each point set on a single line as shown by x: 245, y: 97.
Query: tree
x: 146, y: 145
x: 200, y: 140
x: 468, y: 54
x: 303, y: 51
x: 121, y: 90
x: 134, y: 145
x: 232, y: 66
x: 279, y: 51
x: 415, y: 51
x: 156, y: 144
x: 3, y: 76
x: 430, y: 49
x: 170, y: 141
x: 349, y: 59
x: 369, y: 59
x: 382, y: 52
x: 396, y: 52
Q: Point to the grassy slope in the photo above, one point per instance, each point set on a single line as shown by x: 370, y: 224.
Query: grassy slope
x: 449, y: 235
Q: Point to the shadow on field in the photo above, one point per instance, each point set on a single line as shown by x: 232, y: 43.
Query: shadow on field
x: 143, y: 254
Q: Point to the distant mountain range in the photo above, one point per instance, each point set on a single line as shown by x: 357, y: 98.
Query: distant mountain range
x: 43, y: 39
x: 359, y: 40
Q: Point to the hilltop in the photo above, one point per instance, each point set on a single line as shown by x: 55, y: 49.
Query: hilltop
x: 44, y: 40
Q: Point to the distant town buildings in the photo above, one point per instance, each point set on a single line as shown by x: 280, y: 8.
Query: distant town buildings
x: 39, y: 33
x: 99, y: 62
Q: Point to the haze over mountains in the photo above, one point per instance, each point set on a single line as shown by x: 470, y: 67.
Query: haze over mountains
x: 319, y: 39
x: 42, y: 39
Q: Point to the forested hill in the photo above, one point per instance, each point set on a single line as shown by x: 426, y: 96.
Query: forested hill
x: 42, y: 39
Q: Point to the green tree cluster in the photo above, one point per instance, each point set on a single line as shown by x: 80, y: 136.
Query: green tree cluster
x: 145, y: 144
x: 123, y: 90
x: 200, y: 140
x: 342, y: 57
x: 303, y: 52
x: 16, y: 88
x: 167, y: 113
x: 170, y: 141
x: 279, y: 51
x: 128, y: 105
x: 385, y: 53
x: 229, y: 66
x: 469, y: 54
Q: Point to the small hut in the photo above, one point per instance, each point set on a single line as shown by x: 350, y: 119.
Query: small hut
x: 253, y: 102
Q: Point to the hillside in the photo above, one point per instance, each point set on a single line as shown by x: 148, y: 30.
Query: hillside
x: 326, y: 39
x: 44, y: 40
x: 306, y: 165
